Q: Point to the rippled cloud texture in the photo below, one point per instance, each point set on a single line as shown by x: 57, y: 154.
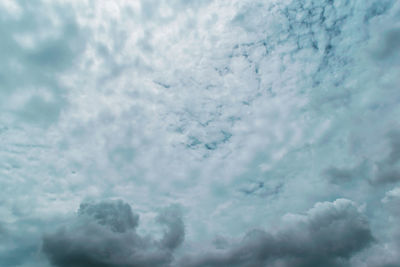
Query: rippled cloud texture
x: 199, y: 133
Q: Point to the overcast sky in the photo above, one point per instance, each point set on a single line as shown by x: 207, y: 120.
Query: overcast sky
x: 199, y: 133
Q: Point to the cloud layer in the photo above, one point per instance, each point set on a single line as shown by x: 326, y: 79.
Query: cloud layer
x: 231, y: 113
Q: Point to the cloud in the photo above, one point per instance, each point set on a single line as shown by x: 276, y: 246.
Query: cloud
x: 118, y: 216
x: 390, y: 44
x: 385, y: 252
x: 174, y: 234
x: 240, y: 110
x: 20, y: 245
x: 388, y: 170
x: 104, y: 235
x: 328, y: 235
x: 378, y: 8
x: 38, y: 46
x: 337, y: 175
x: 379, y: 172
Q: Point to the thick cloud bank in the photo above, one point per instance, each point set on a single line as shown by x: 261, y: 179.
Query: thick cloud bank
x: 327, y: 235
x: 104, y: 235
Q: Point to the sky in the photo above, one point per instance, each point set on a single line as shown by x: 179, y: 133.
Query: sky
x: 199, y: 133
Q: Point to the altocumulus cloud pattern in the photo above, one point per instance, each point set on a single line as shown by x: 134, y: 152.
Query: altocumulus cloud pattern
x: 199, y: 133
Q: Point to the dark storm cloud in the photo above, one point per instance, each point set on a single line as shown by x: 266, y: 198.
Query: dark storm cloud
x: 104, y: 236
x: 328, y: 235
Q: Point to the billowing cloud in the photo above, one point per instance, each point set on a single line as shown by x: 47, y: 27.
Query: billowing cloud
x: 104, y: 234
x: 117, y: 216
x: 327, y: 235
x: 385, y: 252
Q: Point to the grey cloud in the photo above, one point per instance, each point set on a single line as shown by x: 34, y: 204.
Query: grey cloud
x: 394, y: 138
x: 391, y: 201
x: 175, y: 230
x: 17, y: 256
x: 378, y: 8
x: 266, y: 90
x: 35, y: 50
x: 385, y: 253
x: 386, y: 174
x: 388, y: 170
x: 337, y: 175
x: 116, y: 215
x: 328, y: 235
x: 19, y: 245
x: 104, y: 235
x: 385, y: 171
x: 390, y: 44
